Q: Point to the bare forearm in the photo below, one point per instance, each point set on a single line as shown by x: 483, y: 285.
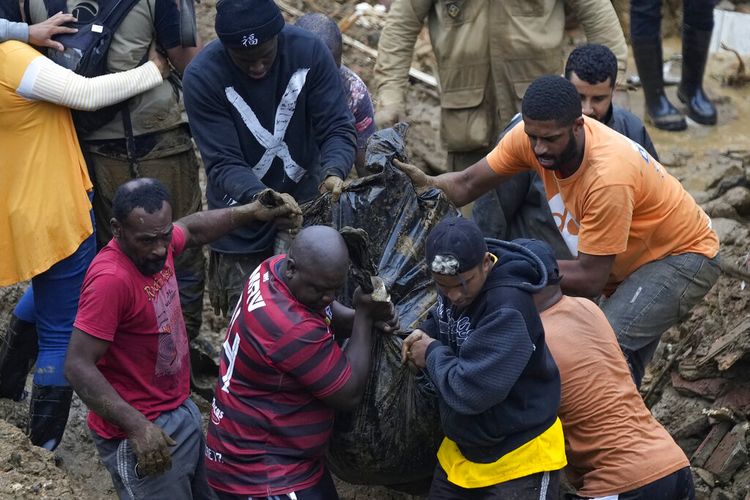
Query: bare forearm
x: 180, y: 56
x: 101, y: 397
x: 358, y: 351
x: 456, y: 187
x: 577, y: 281
x: 343, y: 320
x: 207, y: 226
x: 466, y: 186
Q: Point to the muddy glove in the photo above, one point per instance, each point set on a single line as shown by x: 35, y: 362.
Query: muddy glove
x: 388, y: 116
x: 151, y: 447
x: 420, y: 180
x: 332, y: 184
x: 281, y: 208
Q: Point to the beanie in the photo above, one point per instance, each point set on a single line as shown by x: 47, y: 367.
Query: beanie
x: 247, y: 23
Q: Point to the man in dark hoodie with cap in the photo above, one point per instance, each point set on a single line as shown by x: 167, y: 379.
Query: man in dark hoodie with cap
x: 483, y: 348
x: 267, y: 109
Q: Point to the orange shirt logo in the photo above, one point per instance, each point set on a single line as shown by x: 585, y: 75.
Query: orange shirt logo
x: 565, y: 222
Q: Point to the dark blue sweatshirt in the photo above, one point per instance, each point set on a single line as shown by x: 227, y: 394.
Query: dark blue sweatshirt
x: 254, y: 134
x: 498, y: 385
x: 630, y: 126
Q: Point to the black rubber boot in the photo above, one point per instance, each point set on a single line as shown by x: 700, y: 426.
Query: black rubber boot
x: 48, y: 414
x: 694, y: 54
x: 659, y: 111
x: 17, y: 356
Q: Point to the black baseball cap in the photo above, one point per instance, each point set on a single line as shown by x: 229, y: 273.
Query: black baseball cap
x: 455, y: 246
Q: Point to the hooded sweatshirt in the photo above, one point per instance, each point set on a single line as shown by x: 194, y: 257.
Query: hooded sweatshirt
x: 498, y: 385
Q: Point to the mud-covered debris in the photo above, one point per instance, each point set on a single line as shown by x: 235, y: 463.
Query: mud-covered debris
x: 730, y: 454
x: 709, y: 444
x: 270, y: 198
x: 363, y: 268
x: 29, y: 472
x: 736, y: 398
x: 392, y: 437
x: 722, y: 354
x: 708, y: 388
x: 739, y: 76
x: 385, y: 145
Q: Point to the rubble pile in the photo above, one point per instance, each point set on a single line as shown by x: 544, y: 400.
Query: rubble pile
x: 706, y: 405
x: 699, y: 386
x: 29, y: 472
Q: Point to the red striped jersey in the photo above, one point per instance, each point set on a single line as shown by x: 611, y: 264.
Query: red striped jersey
x: 269, y: 427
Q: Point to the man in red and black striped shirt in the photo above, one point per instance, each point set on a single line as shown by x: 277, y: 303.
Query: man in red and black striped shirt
x: 283, y: 375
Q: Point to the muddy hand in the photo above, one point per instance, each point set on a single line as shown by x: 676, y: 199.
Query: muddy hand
x: 151, y: 447
x: 408, y: 342
x: 291, y: 223
x: 41, y: 34
x: 376, y: 310
x: 388, y: 116
x: 286, y: 210
x: 421, y: 181
x: 388, y: 327
x: 156, y: 57
x: 332, y: 184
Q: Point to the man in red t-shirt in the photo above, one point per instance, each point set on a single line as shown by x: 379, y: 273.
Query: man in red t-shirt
x: 283, y: 375
x: 128, y: 355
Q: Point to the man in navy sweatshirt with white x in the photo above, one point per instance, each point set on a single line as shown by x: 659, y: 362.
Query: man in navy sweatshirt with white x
x: 267, y: 109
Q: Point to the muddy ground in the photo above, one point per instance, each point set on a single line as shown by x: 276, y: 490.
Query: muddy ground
x: 712, y: 162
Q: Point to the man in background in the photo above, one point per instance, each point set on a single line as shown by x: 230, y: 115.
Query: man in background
x: 358, y: 97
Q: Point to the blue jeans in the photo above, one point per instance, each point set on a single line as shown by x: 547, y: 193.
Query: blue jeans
x: 52, y: 303
x: 645, y: 17
x: 652, y: 299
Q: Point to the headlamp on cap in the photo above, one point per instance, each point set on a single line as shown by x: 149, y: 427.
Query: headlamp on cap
x: 454, y: 246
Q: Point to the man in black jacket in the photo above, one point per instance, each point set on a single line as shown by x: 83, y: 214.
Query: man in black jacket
x: 267, y: 109
x: 498, y: 387
x: 592, y: 69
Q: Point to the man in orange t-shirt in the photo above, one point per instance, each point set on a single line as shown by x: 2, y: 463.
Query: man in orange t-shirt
x: 637, y: 236
x: 615, y: 447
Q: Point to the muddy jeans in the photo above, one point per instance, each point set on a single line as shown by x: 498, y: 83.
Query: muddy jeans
x: 187, y: 476
x: 227, y: 274
x: 169, y: 157
x: 540, y: 486
x: 654, y: 298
